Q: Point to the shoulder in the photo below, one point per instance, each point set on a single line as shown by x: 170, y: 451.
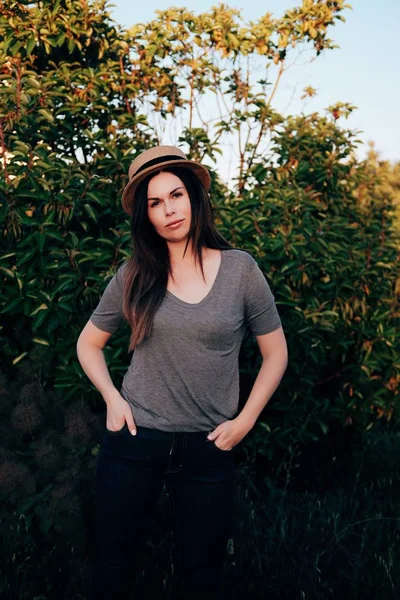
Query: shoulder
x: 241, y: 259
x: 122, y: 268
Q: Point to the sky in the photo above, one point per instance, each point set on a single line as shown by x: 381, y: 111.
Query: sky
x: 364, y: 71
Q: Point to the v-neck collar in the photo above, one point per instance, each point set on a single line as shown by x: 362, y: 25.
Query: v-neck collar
x: 206, y: 298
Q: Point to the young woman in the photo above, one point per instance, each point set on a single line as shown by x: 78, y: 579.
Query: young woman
x: 187, y: 296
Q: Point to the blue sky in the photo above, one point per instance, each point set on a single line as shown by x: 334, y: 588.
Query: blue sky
x: 364, y: 71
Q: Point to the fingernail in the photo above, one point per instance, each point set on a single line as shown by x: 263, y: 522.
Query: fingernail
x: 209, y: 437
x: 133, y: 431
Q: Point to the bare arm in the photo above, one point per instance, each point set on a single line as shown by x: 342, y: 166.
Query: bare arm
x: 89, y: 349
x: 274, y: 352
x: 90, y: 354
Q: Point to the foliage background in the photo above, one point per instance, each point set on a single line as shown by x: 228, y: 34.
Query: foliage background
x: 76, y: 91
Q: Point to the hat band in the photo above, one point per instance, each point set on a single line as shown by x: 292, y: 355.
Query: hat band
x: 156, y: 161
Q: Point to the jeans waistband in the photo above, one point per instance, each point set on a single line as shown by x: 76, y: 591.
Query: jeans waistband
x: 158, y: 434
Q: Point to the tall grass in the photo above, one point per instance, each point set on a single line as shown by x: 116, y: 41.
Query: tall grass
x: 321, y: 523
x: 325, y: 523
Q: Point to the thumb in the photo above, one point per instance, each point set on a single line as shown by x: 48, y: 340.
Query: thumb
x: 213, y: 434
x: 131, y: 423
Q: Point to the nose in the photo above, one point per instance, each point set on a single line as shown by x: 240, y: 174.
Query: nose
x: 168, y: 207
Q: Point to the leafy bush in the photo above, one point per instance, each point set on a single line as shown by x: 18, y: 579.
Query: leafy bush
x: 78, y: 96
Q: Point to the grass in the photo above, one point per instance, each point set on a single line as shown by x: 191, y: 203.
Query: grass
x: 323, y: 522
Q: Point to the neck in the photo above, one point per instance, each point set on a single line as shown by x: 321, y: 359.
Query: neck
x: 176, y: 250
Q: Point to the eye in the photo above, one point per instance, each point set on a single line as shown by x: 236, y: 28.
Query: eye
x: 176, y: 195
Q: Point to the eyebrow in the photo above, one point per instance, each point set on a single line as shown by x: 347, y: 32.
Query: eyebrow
x: 178, y: 188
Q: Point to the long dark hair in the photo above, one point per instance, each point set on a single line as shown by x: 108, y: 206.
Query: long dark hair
x: 146, y: 272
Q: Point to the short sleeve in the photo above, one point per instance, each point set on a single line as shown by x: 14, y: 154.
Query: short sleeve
x: 261, y: 314
x: 107, y: 315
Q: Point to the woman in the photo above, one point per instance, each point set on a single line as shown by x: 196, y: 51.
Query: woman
x: 188, y: 297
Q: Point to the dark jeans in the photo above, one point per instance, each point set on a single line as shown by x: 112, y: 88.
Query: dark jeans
x: 200, y: 479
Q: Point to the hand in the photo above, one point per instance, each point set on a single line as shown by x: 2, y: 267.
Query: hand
x: 229, y: 434
x: 119, y: 411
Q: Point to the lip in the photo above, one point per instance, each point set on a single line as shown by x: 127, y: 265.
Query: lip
x: 175, y: 223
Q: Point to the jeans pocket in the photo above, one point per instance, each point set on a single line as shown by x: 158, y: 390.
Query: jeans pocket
x: 118, y: 431
x: 220, y: 449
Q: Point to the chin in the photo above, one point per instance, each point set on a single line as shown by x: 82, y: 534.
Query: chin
x: 175, y: 234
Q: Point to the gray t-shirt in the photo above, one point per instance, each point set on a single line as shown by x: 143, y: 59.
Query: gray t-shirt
x: 185, y: 376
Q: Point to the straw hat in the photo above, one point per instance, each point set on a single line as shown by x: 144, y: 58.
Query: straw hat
x: 151, y: 160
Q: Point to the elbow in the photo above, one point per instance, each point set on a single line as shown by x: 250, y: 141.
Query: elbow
x: 273, y: 346
x: 280, y: 357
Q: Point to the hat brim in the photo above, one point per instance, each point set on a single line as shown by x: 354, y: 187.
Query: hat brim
x: 128, y: 193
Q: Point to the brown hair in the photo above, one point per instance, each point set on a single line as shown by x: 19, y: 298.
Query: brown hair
x: 146, y: 273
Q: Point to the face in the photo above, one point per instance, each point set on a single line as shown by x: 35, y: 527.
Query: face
x: 168, y: 201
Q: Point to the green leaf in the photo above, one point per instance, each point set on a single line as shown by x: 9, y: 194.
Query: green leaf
x: 324, y: 427
x: 41, y: 240
x: 19, y: 357
x: 95, y: 196
x: 38, y: 308
x: 75, y: 240
x: 14, y: 48
x: 11, y: 305
x: 67, y: 307
x: 30, y: 45
x: 46, y: 114
x: 71, y: 45
x: 54, y: 234
x: 61, y: 39
x: 7, y: 272
x: 90, y: 212
x: 41, y: 341
x: 7, y: 41
x: 39, y: 318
